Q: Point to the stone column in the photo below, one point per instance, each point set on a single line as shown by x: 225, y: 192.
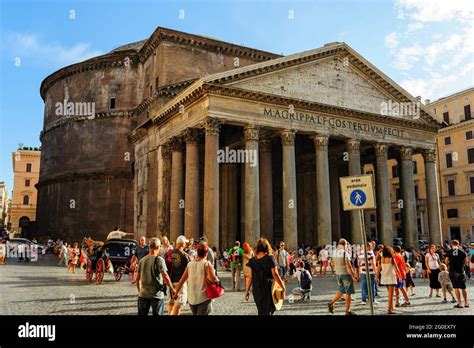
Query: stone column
x: 407, y: 183
x: 432, y: 197
x: 191, y: 191
x: 162, y: 154
x: 382, y: 187
x: 290, y: 223
x: 353, y: 149
x: 323, y: 189
x: 335, y: 198
x: 211, y: 182
x: 266, y: 190
x: 176, y: 200
x: 252, y: 186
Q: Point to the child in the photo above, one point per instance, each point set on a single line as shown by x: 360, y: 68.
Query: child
x: 443, y: 278
x: 418, y: 269
x: 83, y: 259
x: 73, y: 255
x: 409, y: 283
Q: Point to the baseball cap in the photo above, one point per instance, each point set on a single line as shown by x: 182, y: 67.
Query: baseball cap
x: 181, y: 240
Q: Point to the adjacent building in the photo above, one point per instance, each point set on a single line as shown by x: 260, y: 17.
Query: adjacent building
x: 3, y: 205
x: 455, y: 144
x: 26, y: 168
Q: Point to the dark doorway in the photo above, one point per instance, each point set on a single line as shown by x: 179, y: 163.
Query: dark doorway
x: 24, y: 225
x: 455, y: 232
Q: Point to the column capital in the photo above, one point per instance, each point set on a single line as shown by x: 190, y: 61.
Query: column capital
x: 381, y: 149
x: 176, y: 143
x: 211, y: 126
x: 251, y: 132
x: 165, y: 151
x: 288, y: 137
x: 191, y: 135
x: 406, y: 153
x: 321, y: 142
x: 429, y: 155
x: 265, y: 145
x: 353, y: 146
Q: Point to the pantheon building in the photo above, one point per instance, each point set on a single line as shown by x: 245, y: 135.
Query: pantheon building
x: 156, y: 158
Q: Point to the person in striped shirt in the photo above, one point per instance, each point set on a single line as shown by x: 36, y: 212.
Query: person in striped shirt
x: 363, y: 270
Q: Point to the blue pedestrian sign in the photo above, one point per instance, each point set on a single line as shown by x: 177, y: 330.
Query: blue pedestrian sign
x: 357, y: 192
x: 358, y: 198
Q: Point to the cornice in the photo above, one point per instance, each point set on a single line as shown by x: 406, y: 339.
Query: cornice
x: 457, y: 126
x: 110, y: 60
x: 84, y: 176
x: 164, y: 34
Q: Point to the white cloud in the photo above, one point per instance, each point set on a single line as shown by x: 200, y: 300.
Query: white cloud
x: 391, y: 40
x: 30, y: 47
x: 437, y: 10
x: 436, y: 59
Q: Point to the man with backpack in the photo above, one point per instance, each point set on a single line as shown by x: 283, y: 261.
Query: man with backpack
x: 304, y: 282
x: 151, y: 276
x: 236, y: 255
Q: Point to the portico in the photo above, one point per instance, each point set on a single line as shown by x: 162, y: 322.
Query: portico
x: 310, y: 118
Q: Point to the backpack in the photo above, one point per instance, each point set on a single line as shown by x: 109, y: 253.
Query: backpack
x: 235, y: 256
x: 305, y: 280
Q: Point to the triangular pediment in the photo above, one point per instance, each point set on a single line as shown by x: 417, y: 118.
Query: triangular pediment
x: 335, y: 76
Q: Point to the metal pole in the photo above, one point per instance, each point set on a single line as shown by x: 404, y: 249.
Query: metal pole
x: 367, y: 268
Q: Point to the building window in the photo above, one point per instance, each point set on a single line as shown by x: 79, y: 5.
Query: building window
x: 452, y: 213
x: 469, y: 135
x: 112, y: 103
x: 470, y: 156
x: 471, y: 184
x: 397, y: 216
x: 26, y: 200
x: 447, y: 141
x: 27, y: 183
x: 451, y: 188
x: 140, y: 207
x: 446, y: 117
x: 397, y: 193
x: 28, y: 167
x: 395, y: 171
x: 467, y: 112
x: 416, y: 192
x: 372, y: 217
x: 415, y: 168
x: 449, y: 160
x: 151, y: 91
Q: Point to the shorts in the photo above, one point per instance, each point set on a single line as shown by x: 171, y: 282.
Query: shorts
x: 400, y: 284
x: 346, y: 284
x: 182, y: 296
x: 324, y: 263
x: 448, y: 287
x: 458, y: 280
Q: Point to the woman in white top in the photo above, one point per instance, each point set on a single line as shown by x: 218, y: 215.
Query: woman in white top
x: 196, y: 272
x: 432, y: 267
x: 389, y: 272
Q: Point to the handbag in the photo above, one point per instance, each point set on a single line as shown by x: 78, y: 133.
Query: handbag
x: 213, y: 289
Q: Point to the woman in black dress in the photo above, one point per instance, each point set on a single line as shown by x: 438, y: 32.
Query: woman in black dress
x: 263, y: 271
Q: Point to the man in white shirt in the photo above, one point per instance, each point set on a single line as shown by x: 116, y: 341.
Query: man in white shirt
x: 304, y: 282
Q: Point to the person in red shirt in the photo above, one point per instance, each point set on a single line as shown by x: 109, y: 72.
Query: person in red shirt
x: 400, y: 287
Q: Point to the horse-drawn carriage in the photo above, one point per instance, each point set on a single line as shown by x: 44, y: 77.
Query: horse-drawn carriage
x: 115, y: 256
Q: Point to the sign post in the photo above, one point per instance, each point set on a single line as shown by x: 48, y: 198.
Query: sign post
x: 358, y: 194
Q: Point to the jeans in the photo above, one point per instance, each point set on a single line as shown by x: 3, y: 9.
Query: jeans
x: 282, y: 271
x: 203, y: 308
x: 156, y: 305
x: 364, y: 290
x: 236, y: 270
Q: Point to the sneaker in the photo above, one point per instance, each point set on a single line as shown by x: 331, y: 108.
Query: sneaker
x: 397, y: 304
x: 376, y: 302
x: 363, y: 302
x: 331, y: 308
x: 453, y: 301
x: 406, y: 304
x: 350, y: 313
x: 445, y: 301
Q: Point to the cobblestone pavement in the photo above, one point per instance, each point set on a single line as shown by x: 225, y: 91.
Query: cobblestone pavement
x: 43, y: 288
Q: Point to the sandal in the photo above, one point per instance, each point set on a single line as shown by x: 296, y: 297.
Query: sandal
x: 390, y: 312
x: 350, y: 313
x: 458, y: 306
x: 331, y: 308
x: 466, y: 305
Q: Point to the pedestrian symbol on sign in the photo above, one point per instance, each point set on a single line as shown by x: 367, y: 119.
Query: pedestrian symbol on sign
x: 358, y: 198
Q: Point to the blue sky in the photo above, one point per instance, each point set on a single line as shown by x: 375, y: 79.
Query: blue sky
x: 427, y: 46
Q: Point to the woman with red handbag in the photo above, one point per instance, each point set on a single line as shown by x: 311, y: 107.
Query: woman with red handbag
x: 203, y: 285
